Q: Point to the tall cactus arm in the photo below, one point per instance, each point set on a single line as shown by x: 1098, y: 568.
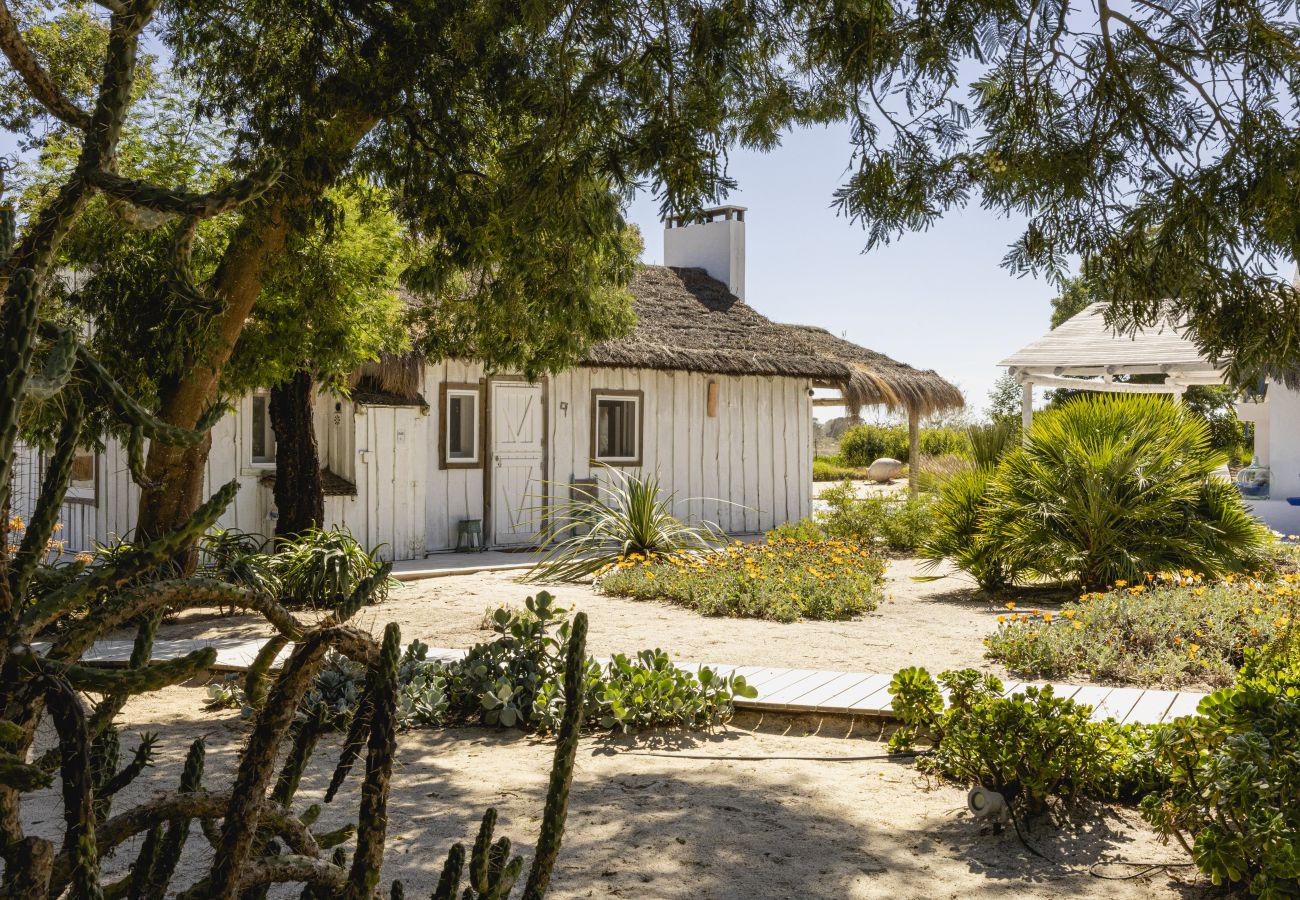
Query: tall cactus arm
x: 19, y: 775
x: 258, y: 758
x: 306, y: 732
x: 45, y: 233
x: 187, y: 203
x: 17, y: 337
x: 123, y: 681
x: 566, y: 752
x: 141, y: 760
x: 41, y: 527
x: 175, y: 594
x: 478, y: 859
x: 255, y: 680
x: 117, y: 574
x: 353, y: 602
x: 56, y: 370
x: 33, y: 74
x: 178, y: 832
x: 372, y: 818
x: 173, y: 806
x: 69, y: 718
x: 449, y: 880
x: 137, y: 887
x: 353, y: 740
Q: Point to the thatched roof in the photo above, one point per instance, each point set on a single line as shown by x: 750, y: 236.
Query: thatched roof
x: 689, y: 320
x: 876, y: 379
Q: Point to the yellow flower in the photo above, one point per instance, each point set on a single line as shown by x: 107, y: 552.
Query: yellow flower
x: 1068, y: 613
x: 1120, y: 582
x: 1047, y: 617
x: 1078, y: 626
x: 1011, y: 604
x: 1001, y: 619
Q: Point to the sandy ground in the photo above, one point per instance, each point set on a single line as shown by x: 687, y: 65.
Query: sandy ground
x: 648, y: 822
x: 937, y: 624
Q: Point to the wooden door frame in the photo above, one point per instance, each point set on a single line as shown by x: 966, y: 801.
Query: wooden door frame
x: 489, y: 523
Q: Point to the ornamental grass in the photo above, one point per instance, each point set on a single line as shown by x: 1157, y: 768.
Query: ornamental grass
x: 784, y: 579
x: 1169, y: 630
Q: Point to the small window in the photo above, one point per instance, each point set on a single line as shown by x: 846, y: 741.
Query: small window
x: 262, y: 441
x: 616, y: 427
x: 460, y: 425
x: 81, y: 487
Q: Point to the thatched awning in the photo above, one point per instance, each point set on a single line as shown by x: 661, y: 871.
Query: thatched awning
x: 689, y: 321
x: 874, y: 378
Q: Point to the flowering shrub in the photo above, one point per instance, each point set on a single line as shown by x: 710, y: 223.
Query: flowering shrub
x: 784, y: 579
x: 1168, y: 630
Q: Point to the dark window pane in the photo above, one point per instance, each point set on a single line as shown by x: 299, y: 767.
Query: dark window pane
x: 616, y: 424
x: 461, y: 426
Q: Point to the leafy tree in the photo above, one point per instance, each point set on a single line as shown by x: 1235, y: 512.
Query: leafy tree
x: 1158, y: 142
x: 330, y: 303
x: 1073, y: 299
x: 1005, y: 399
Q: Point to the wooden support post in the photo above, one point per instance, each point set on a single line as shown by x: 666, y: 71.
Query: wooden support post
x: 1027, y: 405
x: 913, y: 452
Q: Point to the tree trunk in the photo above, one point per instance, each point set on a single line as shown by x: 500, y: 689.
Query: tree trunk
x: 299, y: 496
x: 175, y: 474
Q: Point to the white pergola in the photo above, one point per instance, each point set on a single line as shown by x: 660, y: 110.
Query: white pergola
x: 1085, y: 354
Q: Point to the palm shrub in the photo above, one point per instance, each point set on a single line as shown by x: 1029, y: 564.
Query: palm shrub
x: 989, y: 443
x: 630, y: 516
x: 1104, y: 488
x: 313, y: 568
x: 958, y: 532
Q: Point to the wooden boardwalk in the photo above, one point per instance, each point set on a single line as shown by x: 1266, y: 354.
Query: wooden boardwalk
x: 780, y: 690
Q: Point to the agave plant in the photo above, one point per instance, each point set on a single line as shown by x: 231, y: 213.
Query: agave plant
x: 631, y: 515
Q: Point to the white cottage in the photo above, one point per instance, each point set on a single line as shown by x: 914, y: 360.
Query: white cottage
x: 705, y: 391
x: 1085, y: 354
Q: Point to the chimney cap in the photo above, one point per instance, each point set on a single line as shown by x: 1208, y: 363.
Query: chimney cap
x: 713, y: 214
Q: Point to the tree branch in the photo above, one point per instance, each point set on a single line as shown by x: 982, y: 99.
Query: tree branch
x: 33, y: 74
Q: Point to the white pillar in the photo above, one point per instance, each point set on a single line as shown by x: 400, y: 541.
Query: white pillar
x: 1027, y: 405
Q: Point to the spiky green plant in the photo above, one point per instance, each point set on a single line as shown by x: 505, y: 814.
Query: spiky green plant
x: 630, y: 514
x: 1103, y: 488
x: 958, y: 534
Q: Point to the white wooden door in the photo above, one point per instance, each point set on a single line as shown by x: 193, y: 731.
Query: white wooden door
x: 517, y: 462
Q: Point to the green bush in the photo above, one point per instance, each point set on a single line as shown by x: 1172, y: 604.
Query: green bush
x: 1233, y: 779
x: 1170, y: 631
x: 785, y: 579
x: 862, y: 445
x: 516, y: 681
x: 1029, y: 747
x: 317, y: 567
x: 585, y: 535
x: 1104, y: 488
x: 896, y: 523
x: 832, y: 468
x: 958, y: 532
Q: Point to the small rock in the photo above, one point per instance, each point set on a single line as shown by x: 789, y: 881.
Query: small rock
x: 884, y: 470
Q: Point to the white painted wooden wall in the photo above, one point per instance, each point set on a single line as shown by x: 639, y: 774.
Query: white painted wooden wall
x: 748, y: 469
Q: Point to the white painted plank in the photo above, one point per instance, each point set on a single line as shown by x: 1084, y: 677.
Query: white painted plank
x: 784, y: 678
x: 825, y: 694
x: 1184, y: 705
x: 793, y: 691
x: 1091, y: 695
x: 1150, y: 708
x: 1117, y: 705
x: 869, y: 685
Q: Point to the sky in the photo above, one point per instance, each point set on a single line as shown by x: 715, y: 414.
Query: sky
x: 935, y: 300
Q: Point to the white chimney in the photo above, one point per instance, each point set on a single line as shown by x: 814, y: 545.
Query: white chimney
x: 713, y: 241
